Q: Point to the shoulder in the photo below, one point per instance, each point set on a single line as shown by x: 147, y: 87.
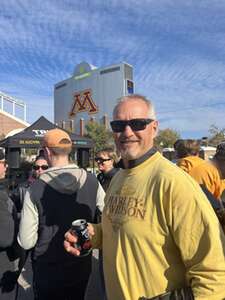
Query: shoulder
x: 3, y: 201
x: 3, y: 195
x: 115, y: 170
x: 36, y: 189
x: 3, y: 190
x: 167, y: 176
x: 163, y: 168
x: 212, y: 168
x: 207, y: 168
x: 91, y: 178
x: 37, y: 184
x: 179, y: 192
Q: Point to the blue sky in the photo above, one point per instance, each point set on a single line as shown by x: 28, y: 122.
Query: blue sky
x: 177, y: 49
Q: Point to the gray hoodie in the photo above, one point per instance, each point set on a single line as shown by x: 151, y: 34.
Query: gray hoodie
x: 66, y: 180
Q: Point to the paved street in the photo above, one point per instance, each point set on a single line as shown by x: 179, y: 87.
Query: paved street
x: 93, y: 291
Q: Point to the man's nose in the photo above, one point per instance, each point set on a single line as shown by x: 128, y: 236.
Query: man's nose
x: 128, y: 131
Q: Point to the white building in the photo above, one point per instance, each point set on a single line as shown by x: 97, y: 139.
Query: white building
x: 12, y: 114
x: 91, y: 93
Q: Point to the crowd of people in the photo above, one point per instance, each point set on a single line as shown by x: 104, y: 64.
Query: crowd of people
x: 157, y: 225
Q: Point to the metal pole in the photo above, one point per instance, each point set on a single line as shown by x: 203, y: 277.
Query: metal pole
x: 25, y: 112
x: 13, y: 112
x: 2, y: 105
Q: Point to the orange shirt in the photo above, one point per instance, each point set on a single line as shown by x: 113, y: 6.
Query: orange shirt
x: 204, y: 173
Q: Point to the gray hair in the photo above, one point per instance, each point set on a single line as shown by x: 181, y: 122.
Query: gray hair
x: 151, y: 109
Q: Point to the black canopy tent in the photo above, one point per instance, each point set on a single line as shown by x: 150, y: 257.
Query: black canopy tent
x: 31, y: 137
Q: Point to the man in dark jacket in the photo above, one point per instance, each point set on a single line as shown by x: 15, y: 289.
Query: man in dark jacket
x: 62, y: 194
x: 8, y: 275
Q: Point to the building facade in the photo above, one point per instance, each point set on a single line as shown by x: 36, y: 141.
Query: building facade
x: 9, y: 120
x: 90, y: 94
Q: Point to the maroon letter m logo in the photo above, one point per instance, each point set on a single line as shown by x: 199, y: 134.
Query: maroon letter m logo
x: 83, y: 102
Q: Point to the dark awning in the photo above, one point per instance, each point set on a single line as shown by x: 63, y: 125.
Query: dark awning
x: 31, y: 136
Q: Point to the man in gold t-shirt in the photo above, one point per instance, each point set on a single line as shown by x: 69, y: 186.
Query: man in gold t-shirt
x: 158, y: 231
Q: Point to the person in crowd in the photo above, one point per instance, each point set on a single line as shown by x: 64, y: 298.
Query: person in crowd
x: 160, y: 237
x: 205, y: 173
x: 40, y: 165
x: 219, y: 162
x: 8, y: 230
x: 61, y: 195
x: 219, y: 159
x: 106, y: 160
x: 17, y: 195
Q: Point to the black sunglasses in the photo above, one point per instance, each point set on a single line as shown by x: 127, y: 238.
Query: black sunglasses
x: 135, y: 124
x: 43, y: 167
x: 101, y: 160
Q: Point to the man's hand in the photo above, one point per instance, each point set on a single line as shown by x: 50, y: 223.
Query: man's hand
x: 71, y: 239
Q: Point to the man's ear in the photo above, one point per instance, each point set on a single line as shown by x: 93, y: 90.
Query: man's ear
x: 155, y: 127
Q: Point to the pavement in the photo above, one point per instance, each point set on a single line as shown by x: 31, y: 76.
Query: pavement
x: 94, y: 290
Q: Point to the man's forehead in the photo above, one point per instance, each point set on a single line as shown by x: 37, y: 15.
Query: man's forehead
x: 131, y: 109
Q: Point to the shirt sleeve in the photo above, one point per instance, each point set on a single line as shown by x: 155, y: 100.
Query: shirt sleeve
x: 28, y: 230
x: 198, y: 235
x: 97, y: 238
x: 7, y: 224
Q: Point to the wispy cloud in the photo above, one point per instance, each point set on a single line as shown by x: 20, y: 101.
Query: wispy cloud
x: 177, y: 49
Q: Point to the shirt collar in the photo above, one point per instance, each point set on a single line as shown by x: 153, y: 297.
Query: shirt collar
x: 135, y: 162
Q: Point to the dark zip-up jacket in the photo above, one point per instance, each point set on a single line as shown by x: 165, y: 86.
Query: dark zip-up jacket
x: 7, y: 234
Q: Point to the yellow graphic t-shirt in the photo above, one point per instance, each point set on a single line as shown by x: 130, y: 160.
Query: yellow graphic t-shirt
x: 159, y: 233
